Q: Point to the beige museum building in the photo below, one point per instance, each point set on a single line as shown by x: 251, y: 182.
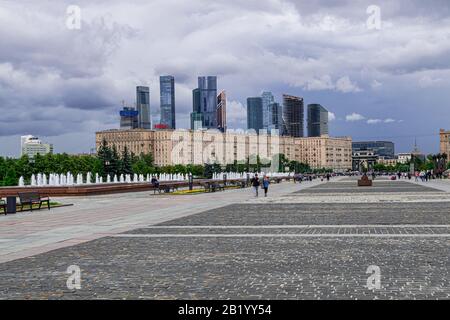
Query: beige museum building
x: 171, y: 147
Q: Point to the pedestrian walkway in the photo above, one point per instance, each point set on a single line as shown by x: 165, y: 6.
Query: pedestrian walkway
x: 233, y: 246
x: 26, y: 234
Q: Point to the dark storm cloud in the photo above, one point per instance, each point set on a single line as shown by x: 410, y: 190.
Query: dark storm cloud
x: 59, y: 81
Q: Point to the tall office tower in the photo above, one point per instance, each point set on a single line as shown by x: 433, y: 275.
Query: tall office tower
x: 255, y: 113
x: 196, y: 120
x: 208, y: 101
x: 196, y: 106
x: 267, y: 100
x: 293, y: 115
x: 317, y: 120
x: 167, y: 101
x: 196, y: 115
x: 276, y: 113
x: 143, y: 107
x: 222, y: 111
x: 129, y: 118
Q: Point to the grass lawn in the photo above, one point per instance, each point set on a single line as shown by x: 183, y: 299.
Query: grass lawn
x: 200, y: 190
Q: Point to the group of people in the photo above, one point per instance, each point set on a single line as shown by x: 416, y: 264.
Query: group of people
x: 256, y: 183
x: 425, y: 176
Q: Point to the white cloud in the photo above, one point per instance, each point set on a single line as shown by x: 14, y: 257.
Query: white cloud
x: 236, y: 115
x: 377, y: 121
x: 428, y: 81
x: 376, y: 84
x: 345, y: 85
x: 354, y: 117
x: 278, y: 45
x: 331, y: 116
x: 374, y: 121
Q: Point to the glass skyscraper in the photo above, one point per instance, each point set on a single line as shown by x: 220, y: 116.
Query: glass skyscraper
x: 143, y: 107
x: 293, y: 115
x: 255, y: 113
x: 267, y: 100
x: 317, y: 120
x: 276, y: 113
x: 208, y: 101
x: 129, y: 118
x: 196, y: 115
x: 167, y: 101
x: 222, y: 111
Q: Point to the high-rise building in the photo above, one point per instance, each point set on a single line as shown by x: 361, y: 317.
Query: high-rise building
x: 129, y: 118
x: 196, y: 114
x: 317, y: 120
x: 267, y: 100
x: 293, y: 115
x: 208, y: 101
x: 167, y: 100
x: 255, y: 113
x: 32, y: 146
x: 276, y: 113
x: 143, y: 107
x: 196, y: 106
x: 222, y: 111
x: 196, y: 120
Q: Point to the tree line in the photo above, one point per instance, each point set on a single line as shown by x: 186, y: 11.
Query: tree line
x: 109, y: 161
x: 437, y: 163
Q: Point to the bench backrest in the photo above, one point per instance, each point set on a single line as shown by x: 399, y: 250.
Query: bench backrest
x: 29, y: 196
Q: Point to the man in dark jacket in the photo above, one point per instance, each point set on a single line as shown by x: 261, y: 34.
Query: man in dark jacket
x: 255, y: 183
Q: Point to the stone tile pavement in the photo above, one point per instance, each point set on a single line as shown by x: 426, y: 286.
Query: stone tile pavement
x: 288, y: 246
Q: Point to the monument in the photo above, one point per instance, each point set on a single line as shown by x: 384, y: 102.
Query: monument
x: 364, y: 181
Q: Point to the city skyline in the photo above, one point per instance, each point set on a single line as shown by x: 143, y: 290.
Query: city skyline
x: 378, y: 84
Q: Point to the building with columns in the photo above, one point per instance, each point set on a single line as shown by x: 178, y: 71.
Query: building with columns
x: 171, y: 147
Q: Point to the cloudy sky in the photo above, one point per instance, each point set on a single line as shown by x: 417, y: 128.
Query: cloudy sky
x: 63, y: 84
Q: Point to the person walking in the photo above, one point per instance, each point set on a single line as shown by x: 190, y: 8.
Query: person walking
x: 255, y: 183
x: 154, y: 182
x: 266, y: 183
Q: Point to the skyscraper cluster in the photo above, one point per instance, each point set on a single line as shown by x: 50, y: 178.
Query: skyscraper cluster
x: 140, y: 116
x: 209, y: 110
x: 263, y: 113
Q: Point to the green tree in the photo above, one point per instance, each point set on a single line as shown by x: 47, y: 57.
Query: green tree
x: 11, y: 178
x: 127, y: 165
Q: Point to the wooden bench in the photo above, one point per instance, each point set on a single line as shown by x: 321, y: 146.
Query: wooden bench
x: 218, y: 186
x: 31, y: 198
x: 3, y: 205
x: 167, y: 188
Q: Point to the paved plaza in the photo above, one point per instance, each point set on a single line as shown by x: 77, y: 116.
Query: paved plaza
x: 305, y: 241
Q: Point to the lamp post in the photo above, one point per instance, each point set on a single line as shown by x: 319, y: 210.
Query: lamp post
x: 191, y: 181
